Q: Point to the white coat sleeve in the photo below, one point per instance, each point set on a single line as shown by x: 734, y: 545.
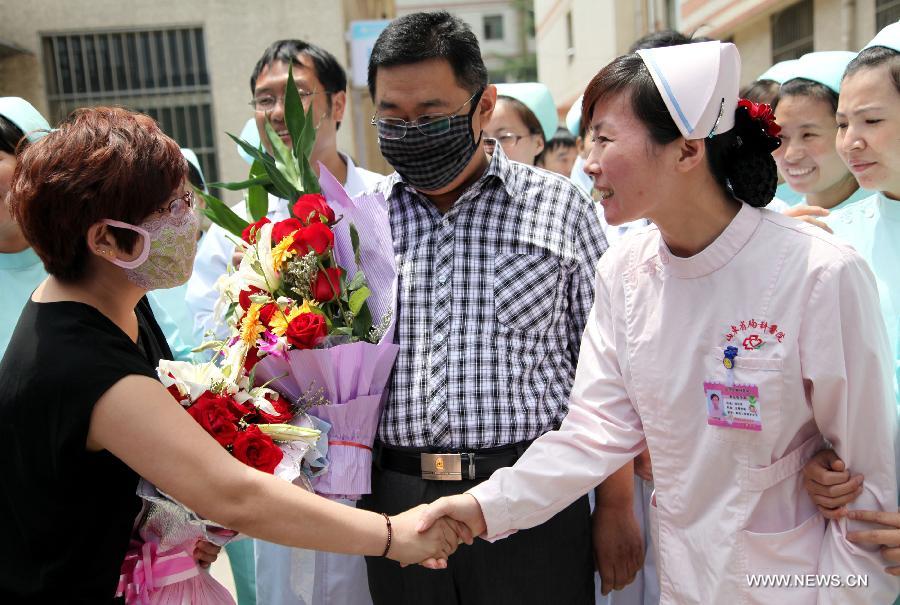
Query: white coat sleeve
x: 847, y: 367
x: 213, y: 257
x: 601, y: 432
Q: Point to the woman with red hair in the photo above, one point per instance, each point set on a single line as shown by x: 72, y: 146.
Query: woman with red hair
x: 105, y: 203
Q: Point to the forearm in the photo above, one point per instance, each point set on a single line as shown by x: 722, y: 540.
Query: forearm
x: 276, y: 511
x: 617, y: 491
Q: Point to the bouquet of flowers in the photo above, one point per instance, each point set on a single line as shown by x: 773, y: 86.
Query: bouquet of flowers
x: 310, y: 305
x: 259, y: 428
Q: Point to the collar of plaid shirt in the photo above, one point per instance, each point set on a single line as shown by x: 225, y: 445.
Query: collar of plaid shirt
x: 493, y: 297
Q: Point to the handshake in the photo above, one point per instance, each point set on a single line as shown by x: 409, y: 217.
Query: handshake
x: 430, y: 533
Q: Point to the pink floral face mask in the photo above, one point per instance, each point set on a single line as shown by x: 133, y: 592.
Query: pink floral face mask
x: 169, y: 245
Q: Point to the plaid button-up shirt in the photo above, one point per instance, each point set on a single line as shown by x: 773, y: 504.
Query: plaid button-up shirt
x: 493, y: 297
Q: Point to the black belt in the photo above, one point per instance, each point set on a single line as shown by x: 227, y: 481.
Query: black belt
x: 447, y: 466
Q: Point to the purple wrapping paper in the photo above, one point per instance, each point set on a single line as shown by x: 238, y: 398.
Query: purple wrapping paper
x: 353, y: 378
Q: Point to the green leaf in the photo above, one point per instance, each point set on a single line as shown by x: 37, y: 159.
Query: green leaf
x: 362, y: 323
x: 308, y: 135
x: 219, y: 213
x: 284, y: 157
x: 343, y: 331
x: 257, y: 198
x: 358, y: 281
x: 358, y: 299
x: 354, y: 241
x: 294, y: 116
x: 283, y: 188
x: 241, y: 185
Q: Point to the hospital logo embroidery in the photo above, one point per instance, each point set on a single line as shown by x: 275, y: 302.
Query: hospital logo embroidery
x: 751, y: 332
x: 753, y: 342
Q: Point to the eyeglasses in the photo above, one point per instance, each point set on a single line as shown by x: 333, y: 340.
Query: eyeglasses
x: 430, y: 125
x: 267, y: 103
x: 179, y: 207
x: 509, y: 140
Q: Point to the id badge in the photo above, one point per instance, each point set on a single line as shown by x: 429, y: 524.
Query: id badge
x: 733, y: 407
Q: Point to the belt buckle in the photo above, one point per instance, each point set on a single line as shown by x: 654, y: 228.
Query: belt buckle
x: 441, y: 467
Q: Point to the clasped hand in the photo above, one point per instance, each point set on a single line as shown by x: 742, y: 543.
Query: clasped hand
x: 429, y: 534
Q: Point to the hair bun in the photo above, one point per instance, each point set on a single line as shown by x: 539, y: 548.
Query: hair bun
x: 748, y: 165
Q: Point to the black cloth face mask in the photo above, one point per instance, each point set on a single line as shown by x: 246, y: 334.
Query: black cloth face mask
x: 429, y: 162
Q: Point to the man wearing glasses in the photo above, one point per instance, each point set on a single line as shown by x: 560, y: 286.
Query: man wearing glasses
x: 496, y: 272
x: 288, y: 575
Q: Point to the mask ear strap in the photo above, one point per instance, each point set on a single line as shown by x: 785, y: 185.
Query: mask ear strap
x: 145, y: 251
x: 475, y: 102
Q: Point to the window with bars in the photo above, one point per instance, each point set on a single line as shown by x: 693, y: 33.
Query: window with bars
x: 792, y: 32
x: 493, y: 27
x: 886, y: 12
x: 159, y: 72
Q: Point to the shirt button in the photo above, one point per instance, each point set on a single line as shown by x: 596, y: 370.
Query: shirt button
x: 442, y: 279
x: 438, y: 338
x: 445, y: 223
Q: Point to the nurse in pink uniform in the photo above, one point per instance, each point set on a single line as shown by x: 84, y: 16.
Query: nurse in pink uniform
x: 776, y: 316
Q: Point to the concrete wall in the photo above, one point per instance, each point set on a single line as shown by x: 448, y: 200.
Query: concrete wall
x: 837, y: 25
x: 235, y: 39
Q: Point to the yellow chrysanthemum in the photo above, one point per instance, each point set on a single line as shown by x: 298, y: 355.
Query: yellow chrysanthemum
x: 251, y: 328
x: 280, y: 320
x: 281, y: 253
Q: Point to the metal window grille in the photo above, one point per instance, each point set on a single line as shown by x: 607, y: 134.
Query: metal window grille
x: 792, y: 32
x: 493, y: 27
x: 159, y: 72
x: 886, y: 12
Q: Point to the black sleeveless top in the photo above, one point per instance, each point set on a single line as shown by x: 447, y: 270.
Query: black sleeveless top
x: 67, y: 513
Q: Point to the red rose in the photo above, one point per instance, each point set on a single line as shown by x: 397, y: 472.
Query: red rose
x: 284, y: 228
x: 306, y: 330
x: 312, y: 208
x: 326, y: 286
x: 252, y: 359
x: 256, y: 449
x: 317, y: 237
x: 250, y: 231
x: 244, y: 297
x: 266, y: 313
x: 283, y: 411
x: 214, y: 414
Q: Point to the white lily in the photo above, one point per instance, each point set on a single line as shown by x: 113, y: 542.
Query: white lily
x: 264, y: 254
x: 192, y: 379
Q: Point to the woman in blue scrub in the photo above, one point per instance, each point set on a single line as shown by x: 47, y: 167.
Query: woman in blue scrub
x: 868, y: 140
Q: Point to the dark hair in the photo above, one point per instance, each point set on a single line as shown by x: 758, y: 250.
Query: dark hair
x: 10, y: 136
x: 561, y: 138
x: 665, y: 37
x: 328, y: 70
x: 762, y: 91
x: 103, y: 162
x: 875, y: 56
x: 421, y: 36
x: 801, y: 87
x: 195, y: 178
x: 525, y: 114
x: 737, y: 159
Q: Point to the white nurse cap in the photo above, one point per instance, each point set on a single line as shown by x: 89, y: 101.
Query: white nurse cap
x: 537, y: 98
x: 23, y: 114
x: 573, y: 118
x: 780, y: 72
x: 250, y: 134
x: 699, y: 84
x: 889, y: 37
x: 825, y: 67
